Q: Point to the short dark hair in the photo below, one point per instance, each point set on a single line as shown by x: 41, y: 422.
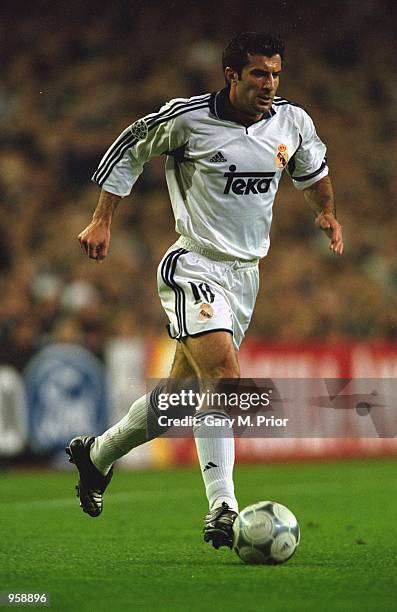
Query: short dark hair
x: 257, y: 43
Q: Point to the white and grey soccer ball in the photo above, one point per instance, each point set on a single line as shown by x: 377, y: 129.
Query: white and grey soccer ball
x: 266, y: 532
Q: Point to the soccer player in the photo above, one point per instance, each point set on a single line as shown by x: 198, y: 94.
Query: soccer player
x: 225, y: 154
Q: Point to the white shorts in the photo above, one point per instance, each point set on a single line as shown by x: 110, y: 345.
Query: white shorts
x: 201, y: 295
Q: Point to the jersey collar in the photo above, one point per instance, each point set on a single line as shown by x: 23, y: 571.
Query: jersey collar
x: 217, y: 105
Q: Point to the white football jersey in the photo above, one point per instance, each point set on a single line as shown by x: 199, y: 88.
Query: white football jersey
x: 222, y: 176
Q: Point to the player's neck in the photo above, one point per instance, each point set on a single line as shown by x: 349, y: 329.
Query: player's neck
x: 238, y: 115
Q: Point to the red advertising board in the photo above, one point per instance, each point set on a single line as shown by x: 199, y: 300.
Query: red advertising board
x: 262, y: 360
x: 265, y: 360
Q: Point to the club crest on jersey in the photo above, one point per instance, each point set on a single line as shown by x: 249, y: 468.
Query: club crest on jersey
x: 282, y: 156
x: 206, y: 312
x: 139, y: 129
x: 245, y: 183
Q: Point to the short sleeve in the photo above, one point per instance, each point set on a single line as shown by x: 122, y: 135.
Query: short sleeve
x: 123, y: 162
x: 309, y: 163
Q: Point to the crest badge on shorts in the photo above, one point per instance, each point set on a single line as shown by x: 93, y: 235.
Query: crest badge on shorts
x: 139, y: 129
x: 282, y: 156
x: 206, y: 312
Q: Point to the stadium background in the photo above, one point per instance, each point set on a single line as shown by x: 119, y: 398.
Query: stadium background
x: 73, y: 75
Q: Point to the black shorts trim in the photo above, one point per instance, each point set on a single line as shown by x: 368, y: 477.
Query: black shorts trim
x: 167, y: 273
x: 178, y: 337
x: 209, y: 331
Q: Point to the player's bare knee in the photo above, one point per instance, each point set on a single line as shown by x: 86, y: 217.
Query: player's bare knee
x: 223, y: 369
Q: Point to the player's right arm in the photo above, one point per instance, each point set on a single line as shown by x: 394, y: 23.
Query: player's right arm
x: 95, y: 238
x: 122, y: 164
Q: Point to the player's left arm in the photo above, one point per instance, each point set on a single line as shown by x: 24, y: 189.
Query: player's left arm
x: 320, y: 197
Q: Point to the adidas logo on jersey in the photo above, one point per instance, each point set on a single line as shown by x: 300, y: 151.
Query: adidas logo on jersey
x: 245, y: 183
x: 218, y: 157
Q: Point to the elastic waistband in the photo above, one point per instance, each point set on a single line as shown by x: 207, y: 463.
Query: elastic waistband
x: 191, y: 245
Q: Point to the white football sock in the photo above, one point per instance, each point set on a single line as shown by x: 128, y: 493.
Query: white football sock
x: 215, y: 450
x: 125, y: 435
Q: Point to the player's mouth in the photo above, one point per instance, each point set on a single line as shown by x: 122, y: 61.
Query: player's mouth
x: 265, y: 99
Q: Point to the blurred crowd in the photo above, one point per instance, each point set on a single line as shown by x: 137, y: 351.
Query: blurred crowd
x: 75, y: 74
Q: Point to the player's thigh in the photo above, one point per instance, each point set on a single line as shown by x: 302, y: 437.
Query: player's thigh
x: 194, y: 293
x: 213, y: 354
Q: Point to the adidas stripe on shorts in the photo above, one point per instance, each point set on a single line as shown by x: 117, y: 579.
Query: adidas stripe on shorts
x: 200, y: 294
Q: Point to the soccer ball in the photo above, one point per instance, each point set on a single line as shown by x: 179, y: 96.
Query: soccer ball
x: 266, y: 532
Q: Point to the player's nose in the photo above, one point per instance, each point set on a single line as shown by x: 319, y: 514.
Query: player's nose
x: 268, y: 82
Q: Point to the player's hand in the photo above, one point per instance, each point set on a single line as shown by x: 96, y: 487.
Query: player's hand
x: 333, y: 229
x: 94, y: 240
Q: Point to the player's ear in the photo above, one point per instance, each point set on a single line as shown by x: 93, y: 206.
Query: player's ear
x: 230, y: 75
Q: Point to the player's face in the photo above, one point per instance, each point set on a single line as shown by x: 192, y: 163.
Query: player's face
x: 258, y: 84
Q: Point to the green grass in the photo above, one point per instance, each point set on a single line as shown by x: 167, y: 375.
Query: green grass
x: 145, y: 552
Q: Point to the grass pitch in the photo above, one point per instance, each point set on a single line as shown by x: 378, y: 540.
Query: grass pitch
x: 146, y: 552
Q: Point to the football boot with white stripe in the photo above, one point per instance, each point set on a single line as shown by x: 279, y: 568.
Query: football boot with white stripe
x: 218, y: 526
x: 92, y: 483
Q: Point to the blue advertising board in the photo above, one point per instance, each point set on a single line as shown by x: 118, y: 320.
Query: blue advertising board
x: 66, y: 396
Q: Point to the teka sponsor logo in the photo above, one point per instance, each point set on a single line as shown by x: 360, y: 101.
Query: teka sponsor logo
x: 244, y: 183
